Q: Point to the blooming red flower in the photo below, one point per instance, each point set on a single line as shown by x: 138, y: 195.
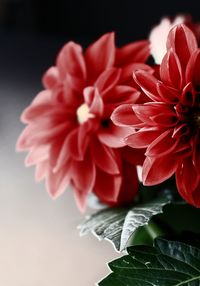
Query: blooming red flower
x: 168, y: 124
x: 70, y: 137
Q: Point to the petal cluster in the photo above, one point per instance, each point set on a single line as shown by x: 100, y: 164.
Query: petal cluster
x: 69, y: 135
x: 167, y: 124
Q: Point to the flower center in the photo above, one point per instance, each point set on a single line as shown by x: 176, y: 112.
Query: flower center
x: 189, y: 114
x: 83, y: 113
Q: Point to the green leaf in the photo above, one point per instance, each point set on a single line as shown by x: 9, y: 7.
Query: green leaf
x: 168, y: 263
x: 117, y: 225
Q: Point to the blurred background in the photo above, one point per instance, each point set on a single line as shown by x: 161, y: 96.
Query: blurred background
x: 39, y: 242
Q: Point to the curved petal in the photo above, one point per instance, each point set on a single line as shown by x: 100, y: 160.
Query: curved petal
x: 187, y: 179
x: 107, y: 80
x: 107, y: 187
x: 168, y: 94
x: 83, y: 173
x: 71, y: 61
x: 100, y: 56
x: 133, y: 52
x: 51, y: 78
x: 157, y: 170
x: 142, y: 138
x: 183, y: 42
x: 37, y: 155
x: 148, y: 83
x: 162, y: 145
x: 105, y: 158
x: 193, y: 69
x: 56, y: 183
x: 124, y: 116
x: 41, y: 170
x: 113, y: 136
x: 170, y: 70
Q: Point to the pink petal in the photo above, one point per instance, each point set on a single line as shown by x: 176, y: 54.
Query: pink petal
x: 148, y: 84
x: 155, y: 114
x: 51, y: 78
x: 94, y: 101
x: 168, y: 94
x: 41, y: 170
x: 107, y: 187
x: 37, y: 155
x: 142, y: 138
x: 170, y: 70
x: 124, y: 116
x: 80, y: 198
x: 72, y: 147
x: 56, y: 183
x: 71, y: 61
x: 193, y: 69
x: 105, y: 158
x: 187, y: 179
x: 162, y: 145
x: 107, y: 80
x: 134, y: 52
x: 183, y: 42
x: 100, y: 56
x: 83, y: 174
x: 113, y: 136
x: 129, y: 69
x: 157, y: 170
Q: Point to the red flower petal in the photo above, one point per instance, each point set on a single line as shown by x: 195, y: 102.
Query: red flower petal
x: 56, y: 183
x: 168, y: 94
x: 162, y: 145
x: 134, y: 52
x: 142, y: 138
x: 124, y: 116
x: 100, y: 56
x: 193, y: 69
x: 183, y: 42
x: 41, y: 170
x: 94, y: 101
x: 155, y: 114
x: 113, y: 136
x: 107, y: 187
x: 37, y: 155
x: 148, y: 84
x: 105, y: 158
x: 170, y: 70
x: 71, y: 61
x: 107, y: 80
x: 51, y: 78
x: 187, y: 179
x: 83, y: 174
x: 157, y: 170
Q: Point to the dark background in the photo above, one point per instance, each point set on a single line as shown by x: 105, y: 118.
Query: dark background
x: 90, y: 18
x: 32, y: 32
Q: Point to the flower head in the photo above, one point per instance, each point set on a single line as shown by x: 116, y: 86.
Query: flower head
x: 168, y: 123
x: 69, y: 134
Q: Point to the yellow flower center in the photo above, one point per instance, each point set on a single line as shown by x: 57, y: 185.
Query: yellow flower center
x: 83, y: 113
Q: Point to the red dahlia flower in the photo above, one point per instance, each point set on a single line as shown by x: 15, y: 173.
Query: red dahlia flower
x: 70, y: 137
x: 168, y: 124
